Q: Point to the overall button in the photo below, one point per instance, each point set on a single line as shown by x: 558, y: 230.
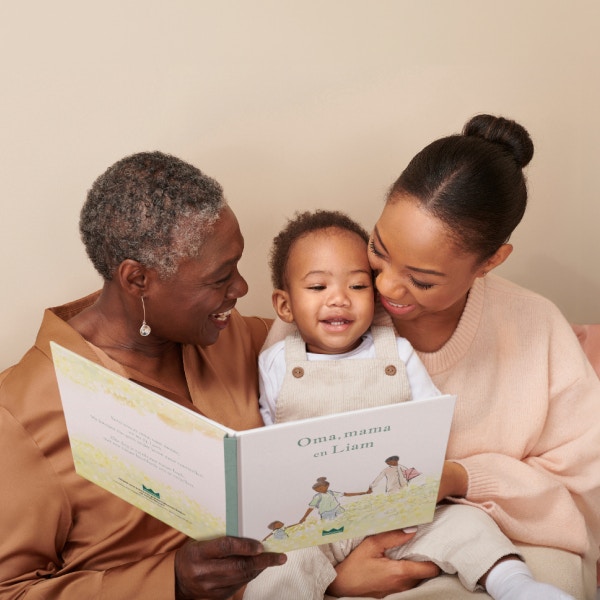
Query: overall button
x: 390, y: 370
x: 298, y: 372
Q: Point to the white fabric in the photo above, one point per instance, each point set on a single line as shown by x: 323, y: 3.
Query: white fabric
x: 512, y: 580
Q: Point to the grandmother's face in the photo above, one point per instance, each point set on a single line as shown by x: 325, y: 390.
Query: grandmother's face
x: 194, y: 305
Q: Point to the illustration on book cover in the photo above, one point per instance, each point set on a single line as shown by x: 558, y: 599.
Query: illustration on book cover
x: 331, y: 517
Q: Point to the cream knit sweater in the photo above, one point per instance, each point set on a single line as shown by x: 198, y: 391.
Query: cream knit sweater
x: 527, y: 421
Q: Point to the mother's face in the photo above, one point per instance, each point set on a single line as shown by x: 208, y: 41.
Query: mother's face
x: 420, y: 270
x: 193, y: 306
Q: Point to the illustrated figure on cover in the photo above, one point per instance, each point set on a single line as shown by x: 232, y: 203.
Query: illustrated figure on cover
x: 396, y: 475
x: 326, y: 501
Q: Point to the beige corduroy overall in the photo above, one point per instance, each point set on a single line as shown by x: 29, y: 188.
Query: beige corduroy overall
x: 312, y: 388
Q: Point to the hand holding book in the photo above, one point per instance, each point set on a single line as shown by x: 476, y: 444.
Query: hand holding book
x: 216, y: 568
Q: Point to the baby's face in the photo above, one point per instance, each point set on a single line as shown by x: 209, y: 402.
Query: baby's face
x: 330, y: 290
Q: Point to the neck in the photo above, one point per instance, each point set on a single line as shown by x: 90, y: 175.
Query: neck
x: 112, y: 324
x: 430, y: 332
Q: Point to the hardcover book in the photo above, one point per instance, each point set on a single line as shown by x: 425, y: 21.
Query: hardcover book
x: 291, y: 485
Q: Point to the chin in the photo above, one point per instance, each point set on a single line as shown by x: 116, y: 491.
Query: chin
x: 209, y: 340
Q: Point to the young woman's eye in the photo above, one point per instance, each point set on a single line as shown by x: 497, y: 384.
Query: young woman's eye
x: 374, y: 250
x: 420, y: 284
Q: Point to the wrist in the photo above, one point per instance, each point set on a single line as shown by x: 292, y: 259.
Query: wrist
x: 460, y: 480
x: 455, y: 481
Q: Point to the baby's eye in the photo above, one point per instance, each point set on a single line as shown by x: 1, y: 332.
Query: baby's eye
x: 316, y: 288
x: 360, y: 286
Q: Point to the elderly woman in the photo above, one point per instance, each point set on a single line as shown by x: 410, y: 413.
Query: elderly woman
x: 167, y: 246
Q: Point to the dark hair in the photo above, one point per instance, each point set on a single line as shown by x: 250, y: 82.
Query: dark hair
x: 302, y: 224
x: 319, y: 482
x: 150, y: 207
x: 473, y: 182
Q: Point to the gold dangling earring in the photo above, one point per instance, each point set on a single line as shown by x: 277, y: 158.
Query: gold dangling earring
x: 145, y: 328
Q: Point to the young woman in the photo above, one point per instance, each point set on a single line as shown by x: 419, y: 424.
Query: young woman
x: 525, y: 436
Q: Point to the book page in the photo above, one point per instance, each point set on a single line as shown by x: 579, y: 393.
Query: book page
x: 282, y: 466
x: 153, y: 453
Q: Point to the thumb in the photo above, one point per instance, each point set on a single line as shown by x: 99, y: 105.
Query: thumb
x: 424, y: 570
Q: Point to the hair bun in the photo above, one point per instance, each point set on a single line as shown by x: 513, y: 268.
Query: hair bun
x: 510, y: 134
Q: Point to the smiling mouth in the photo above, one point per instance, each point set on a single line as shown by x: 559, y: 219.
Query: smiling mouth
x: 396, y: 305
x: 223, y: 316
x: 336, y: 322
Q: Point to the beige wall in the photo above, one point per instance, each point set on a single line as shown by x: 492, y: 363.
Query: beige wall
x: 289, y: 104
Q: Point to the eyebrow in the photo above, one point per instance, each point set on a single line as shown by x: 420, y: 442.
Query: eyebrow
x: 324, y: 272
x: 409, y: 267
x: 224, y: 266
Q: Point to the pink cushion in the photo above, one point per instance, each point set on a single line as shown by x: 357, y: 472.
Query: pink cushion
x: 589, y: 338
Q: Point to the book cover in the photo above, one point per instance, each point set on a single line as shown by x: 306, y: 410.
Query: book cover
x: 290, y: 485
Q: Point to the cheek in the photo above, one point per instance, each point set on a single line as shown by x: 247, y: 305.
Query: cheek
x: 367, y: 304
x: 374, y: 261
x: 303, y: 309
x: 440, y: 300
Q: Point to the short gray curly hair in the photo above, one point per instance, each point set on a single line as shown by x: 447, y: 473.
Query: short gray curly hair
x: 151, y: 207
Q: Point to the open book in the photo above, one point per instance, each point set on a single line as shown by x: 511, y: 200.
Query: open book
x: 291, y: 485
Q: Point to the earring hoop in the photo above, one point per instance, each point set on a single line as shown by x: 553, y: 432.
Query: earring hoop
x: 145, y: 328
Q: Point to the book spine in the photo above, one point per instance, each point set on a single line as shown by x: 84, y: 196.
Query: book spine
x: 231, y: 485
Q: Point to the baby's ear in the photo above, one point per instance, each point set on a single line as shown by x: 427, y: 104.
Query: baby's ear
x: 282, y: 305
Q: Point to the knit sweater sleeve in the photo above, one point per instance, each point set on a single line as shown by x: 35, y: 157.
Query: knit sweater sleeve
x: 536, y: 470
x: 549, y: 497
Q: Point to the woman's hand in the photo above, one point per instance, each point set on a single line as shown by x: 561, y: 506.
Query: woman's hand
x: 455, y: 481
x: 368, y: 572
x: 216, y: 569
